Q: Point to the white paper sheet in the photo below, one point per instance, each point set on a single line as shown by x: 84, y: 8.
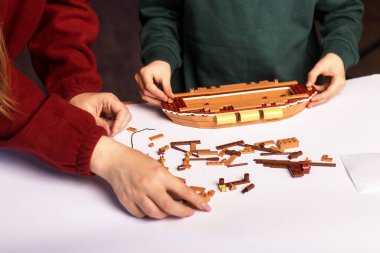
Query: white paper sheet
x: 364, y: 170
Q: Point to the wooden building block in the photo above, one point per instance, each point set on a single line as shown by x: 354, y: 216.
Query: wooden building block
x: 228, y: 145
x: 248, y: 188
x: 156, y: 137
x: 270, y: 142
x: 247, y: 150
x: 232, y: 152
x: 203, y: 152
x: 288, y: 143
x: 214, y: 163
x: 163, y: 149
x: 231, y: 159
x: 326, y: 158
x: 232, y: 187
x: 132, y: 129
x: 237, y: 165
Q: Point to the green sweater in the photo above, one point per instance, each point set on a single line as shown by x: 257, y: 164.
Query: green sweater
x: 213, y: 42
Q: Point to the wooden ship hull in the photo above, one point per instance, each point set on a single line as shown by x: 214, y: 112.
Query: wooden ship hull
x: 238, y: 104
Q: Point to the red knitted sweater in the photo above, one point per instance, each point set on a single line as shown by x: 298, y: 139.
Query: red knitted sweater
x: 58, y: 33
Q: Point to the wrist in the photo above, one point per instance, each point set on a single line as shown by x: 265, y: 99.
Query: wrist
x: 103, y: 156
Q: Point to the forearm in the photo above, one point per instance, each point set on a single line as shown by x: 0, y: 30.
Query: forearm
x: 160, y: 31
x: 49, y: 128
x: 341, y: 28
x: 60, y: 48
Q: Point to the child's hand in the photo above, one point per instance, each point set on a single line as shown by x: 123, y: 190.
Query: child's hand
x: 331, y: 66
x: 108, y: 111
x: 142, y: 185
x: 155, y: 74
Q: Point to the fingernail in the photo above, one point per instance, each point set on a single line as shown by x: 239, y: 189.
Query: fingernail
x: 206, y: 207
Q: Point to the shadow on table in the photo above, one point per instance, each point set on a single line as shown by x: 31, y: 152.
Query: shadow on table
x: 30, y: 164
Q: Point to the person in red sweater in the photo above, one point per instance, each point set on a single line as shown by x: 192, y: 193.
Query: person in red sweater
x: 65, y: 128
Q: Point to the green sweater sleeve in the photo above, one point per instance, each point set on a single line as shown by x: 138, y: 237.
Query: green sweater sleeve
x: 341, y: 28
x: 160, y: 31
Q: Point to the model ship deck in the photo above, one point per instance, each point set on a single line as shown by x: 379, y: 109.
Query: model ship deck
x: 237, y: 104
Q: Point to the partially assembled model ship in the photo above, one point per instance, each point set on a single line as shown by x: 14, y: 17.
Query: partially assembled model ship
x: 238, y: 104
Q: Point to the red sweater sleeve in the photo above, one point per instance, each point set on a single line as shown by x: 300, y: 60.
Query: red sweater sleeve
x: 50, y: 128
x: 60, y: 48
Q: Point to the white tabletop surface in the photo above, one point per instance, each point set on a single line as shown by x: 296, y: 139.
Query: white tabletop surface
x: 45, y: 211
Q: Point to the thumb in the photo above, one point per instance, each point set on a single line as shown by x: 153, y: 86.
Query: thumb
x: 102, y: 123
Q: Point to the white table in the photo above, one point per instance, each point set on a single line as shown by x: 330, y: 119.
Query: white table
x: 45, y: 211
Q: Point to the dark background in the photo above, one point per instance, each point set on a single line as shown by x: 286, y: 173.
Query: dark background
x: 118, y: 48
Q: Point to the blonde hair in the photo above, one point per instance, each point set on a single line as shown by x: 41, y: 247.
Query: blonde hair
x: 7, y: 105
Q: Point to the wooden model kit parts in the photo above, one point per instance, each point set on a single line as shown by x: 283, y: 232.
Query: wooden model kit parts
x: 203, y: 152
x: 201, y: 191
x: 232, y: 185
x: 291, y: 155
x: 288, y: 143
x: 245, y: 180
x: 232, y: 152
x: 156, y: 137
x: 163, y: 149
x: 296, y: 169
x: 228, y: 145
x: 248, y: 188
x: 181, y: 143
x: 247, y: 150
x: 214, y: 163
x: 132, y: 129
x: 264, y: 143
x: 186, y: 162
x: 263, y: 148
x: 237, y: 165
x: 205, y: 159
x: 231, y: 159
x: 326, y: 158
x: 295, y: 155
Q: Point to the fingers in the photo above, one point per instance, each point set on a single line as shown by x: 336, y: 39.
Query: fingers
x: 151, y: 209
x: 148, y: 97
x: 337, y: 85
x: 313, y: 74
x: 172, y: 207
x: 331, y: 66
x: 185, y: 193
x: 155, y: 74
x: 148, y: 88
x: 166, y: 86
x: 132, y: 208
x: 123, y: 116
x: 103, y: 123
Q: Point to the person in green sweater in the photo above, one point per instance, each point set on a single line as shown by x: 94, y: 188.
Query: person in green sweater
x: 201, y: 43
